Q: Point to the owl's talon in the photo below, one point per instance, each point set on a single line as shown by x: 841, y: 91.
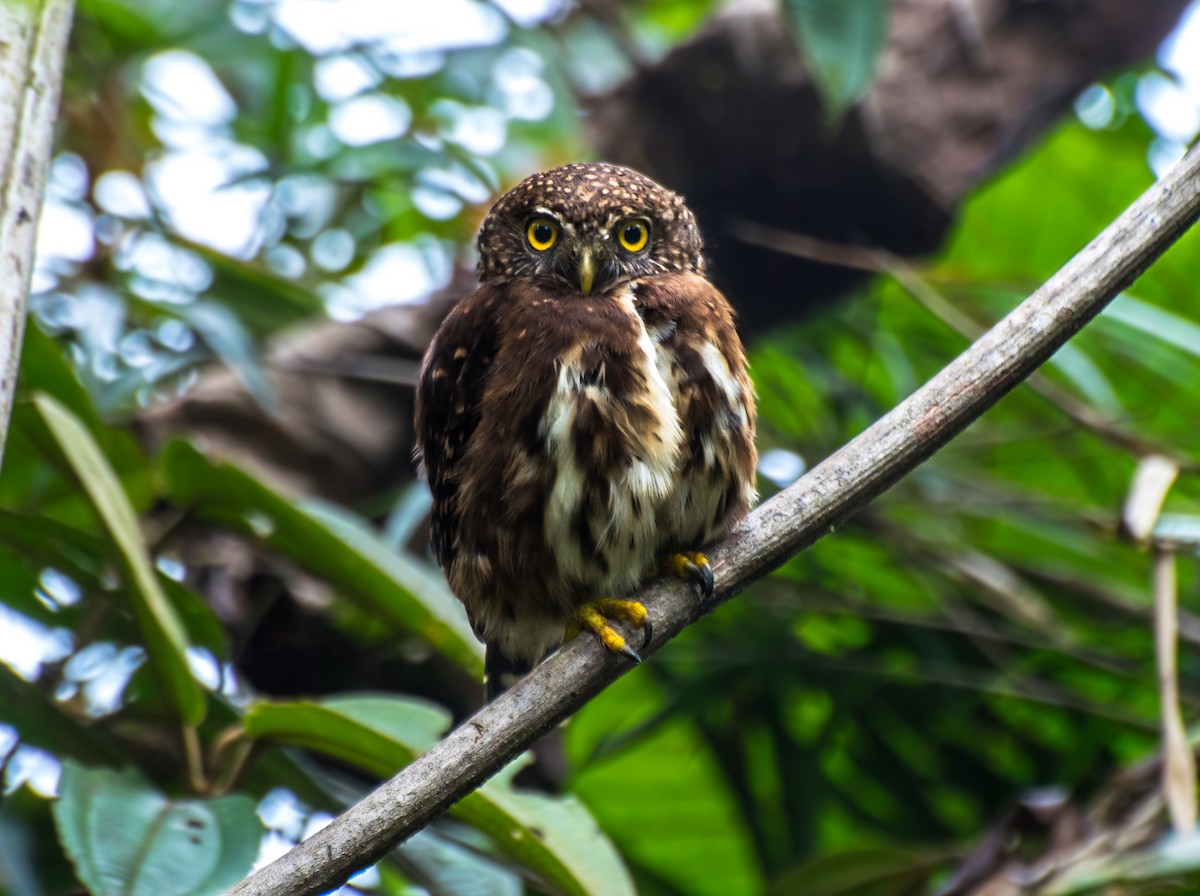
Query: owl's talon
x: 647, y: 634
x: 694, y: 567
x: 595, y: 615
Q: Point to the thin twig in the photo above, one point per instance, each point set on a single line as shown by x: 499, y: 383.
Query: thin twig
x: 1179, y: 762
x: 827, y: 496
x: 194, y: 754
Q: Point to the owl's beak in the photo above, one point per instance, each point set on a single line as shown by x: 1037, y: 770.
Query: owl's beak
x: 587, y: 269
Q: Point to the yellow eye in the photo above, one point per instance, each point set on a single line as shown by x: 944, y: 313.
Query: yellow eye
x: 633, y: 235
x: 541, y: 234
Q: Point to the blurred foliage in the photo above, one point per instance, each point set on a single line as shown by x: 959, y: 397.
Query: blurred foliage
x: 853, y: 724
x: 841, y: 43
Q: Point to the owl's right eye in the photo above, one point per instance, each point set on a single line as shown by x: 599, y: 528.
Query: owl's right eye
x: 541, y: 234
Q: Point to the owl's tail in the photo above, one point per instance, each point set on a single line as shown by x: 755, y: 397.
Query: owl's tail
x: 500, y: 672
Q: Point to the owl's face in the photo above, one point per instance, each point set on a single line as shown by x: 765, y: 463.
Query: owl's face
x: 587, y: 227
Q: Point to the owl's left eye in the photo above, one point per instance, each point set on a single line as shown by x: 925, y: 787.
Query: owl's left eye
x: 633, y: 235
x: 541, y: 234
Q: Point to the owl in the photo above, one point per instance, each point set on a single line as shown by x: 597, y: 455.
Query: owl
x: 584, y: 418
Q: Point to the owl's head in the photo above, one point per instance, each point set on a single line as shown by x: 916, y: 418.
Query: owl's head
x: 589, y: 226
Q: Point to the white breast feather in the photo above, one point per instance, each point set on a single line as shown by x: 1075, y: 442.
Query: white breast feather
x: 646, y: 485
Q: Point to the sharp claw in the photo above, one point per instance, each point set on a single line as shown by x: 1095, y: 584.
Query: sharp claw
x: 694, y: 568
x: 598, y: 615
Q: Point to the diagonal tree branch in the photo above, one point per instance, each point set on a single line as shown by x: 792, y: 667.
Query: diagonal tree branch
x: 826, y: 497
x: 33, y: 44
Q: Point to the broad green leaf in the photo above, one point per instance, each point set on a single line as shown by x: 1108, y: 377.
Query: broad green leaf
x: 555, y: 839
x: 164, y: 632
x: 841, y: 40
x: 376, y: 733
x: 455, y: 864
x: 689, y: 833
x: 437, y: 614
x: 330, y: 543
x: 128, y: 839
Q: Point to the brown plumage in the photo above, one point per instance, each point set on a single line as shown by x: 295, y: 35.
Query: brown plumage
x: 583, y: 414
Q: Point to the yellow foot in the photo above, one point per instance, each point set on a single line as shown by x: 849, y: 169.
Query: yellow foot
x: 596, y: 614
x: 693, y: 566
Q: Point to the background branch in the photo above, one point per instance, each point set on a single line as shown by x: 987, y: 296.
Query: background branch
x: 33, y: 43
x: 826, y: 497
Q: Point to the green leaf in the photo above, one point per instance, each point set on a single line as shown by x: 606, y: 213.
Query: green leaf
x: 227, y: 337
x: 40, y: 542
x: 555, y: 839
x: 44, y: 723
x: 378, y: 734
x: 841, y: 40
x: 31, y: 858
x: 1155, y: 321
x: 200, y: 623
x: 26, y: 478
x: 1074, y: 363
x: 425, y: 604
x: 127, y: 839
x: 20, y: 872
x: 996, y: 238
x: 690, y: 834
x: 44, y: 368
x: 331, y: 543
x: 456, y: 861
x: 161, y: 627
x: 39, y: 539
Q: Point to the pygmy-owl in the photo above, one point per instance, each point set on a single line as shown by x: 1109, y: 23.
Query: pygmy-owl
x: 584, y: 417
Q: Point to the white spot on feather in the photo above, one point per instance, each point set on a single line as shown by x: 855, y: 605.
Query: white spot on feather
x: 718, y: 368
